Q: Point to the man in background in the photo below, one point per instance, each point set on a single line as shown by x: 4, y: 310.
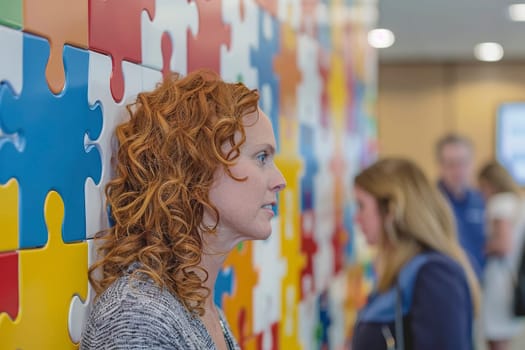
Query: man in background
x: 455, y: 155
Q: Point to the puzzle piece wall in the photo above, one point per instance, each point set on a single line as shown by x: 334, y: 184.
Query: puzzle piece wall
x: 67, y: 71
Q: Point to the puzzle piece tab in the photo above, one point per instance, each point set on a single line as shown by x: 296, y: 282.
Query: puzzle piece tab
x: 223, y: 285
x: 61, y: 22
x: 49, y: 278
x: 204, y: 49
x: 115, y: 29
x: 179, y: 19
x: 79, y: 309
x: 56, y: 137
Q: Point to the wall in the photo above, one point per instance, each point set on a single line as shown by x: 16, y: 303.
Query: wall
x: 67, y: 70
x: 417, y: 103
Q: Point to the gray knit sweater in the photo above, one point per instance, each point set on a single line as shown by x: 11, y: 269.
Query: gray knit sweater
x: 136, y: 314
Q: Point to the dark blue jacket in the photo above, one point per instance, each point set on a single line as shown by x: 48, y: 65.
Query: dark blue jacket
x: 469, y: 213
x: 437, y: 308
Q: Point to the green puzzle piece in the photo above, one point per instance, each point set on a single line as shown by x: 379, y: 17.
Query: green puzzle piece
x: 11, y: 13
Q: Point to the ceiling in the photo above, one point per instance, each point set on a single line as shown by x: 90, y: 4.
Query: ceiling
x: 448, y: 30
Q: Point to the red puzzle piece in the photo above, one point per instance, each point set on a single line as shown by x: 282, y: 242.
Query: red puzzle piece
x: 340, y: 235
x: 324, y: 70
x: 114, y: 29
x: 275, y: 338
x: 9, y: 296
x: 308, y: 248
x: 167, y: 51
x: 204, y: 50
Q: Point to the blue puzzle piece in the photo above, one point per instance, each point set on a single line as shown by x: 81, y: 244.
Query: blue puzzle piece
x: 307, y: 150
x: 348, y: 224
x: 324, y: 31
x: 223, y: 285
x: 325, y: 320
x: 53, y: 131
x: 262, y: 59
x: 358, y: 113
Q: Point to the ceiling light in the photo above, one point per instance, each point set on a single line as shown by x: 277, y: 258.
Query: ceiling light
x: 488, y: 52
x: 517, y: 12
x: 381, y: 38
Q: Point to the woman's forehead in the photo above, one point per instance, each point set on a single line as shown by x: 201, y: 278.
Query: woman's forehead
x: 258, y: 129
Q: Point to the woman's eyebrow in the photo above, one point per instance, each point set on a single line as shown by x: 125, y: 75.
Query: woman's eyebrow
x: 269, y: 148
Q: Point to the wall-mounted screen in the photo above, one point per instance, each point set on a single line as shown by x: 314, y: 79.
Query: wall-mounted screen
x: 510, y: 139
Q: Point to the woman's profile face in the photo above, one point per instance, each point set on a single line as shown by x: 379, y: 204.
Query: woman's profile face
x: 247, y: 207
x: 368, y: 217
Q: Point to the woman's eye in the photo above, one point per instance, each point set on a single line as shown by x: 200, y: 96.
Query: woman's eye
x: 261, y: 157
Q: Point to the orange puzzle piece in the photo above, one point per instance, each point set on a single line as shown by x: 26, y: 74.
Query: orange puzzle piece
x: 61, y: 22
x: 239, y: 306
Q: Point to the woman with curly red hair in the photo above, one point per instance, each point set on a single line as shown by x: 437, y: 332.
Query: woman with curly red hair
x: 195, y: 176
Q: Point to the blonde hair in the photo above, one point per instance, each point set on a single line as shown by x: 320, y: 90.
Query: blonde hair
x: 168, y: 153
x: 498, y: 178
x: 415, y: 218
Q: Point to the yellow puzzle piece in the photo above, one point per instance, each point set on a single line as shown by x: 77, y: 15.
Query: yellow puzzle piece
x: 291, y: 248
x: 9, y: 216
x: 49, y: 278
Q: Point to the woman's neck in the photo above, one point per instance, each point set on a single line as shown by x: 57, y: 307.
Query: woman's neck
x: 212, y: 265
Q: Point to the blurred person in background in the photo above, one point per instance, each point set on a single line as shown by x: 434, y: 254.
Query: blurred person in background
x: 455, y: 155
x: 427, y: 294
x: 505, y: 218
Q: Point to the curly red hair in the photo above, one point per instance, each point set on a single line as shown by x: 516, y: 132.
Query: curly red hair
x: 168, y: 153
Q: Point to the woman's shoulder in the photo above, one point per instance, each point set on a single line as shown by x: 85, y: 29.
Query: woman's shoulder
x: 430, y: 270
x: 443, y: 265
x: 137, y: 304
x: 136, y: 312
x: 503, y: 205
x: 429, y: 260
x: 133, y: 292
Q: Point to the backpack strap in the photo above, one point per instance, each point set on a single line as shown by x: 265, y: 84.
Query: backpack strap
x: 400, y: 334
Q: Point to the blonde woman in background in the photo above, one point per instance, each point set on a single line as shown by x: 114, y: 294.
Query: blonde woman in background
x: 425, y: 284
x: 505, y: 217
